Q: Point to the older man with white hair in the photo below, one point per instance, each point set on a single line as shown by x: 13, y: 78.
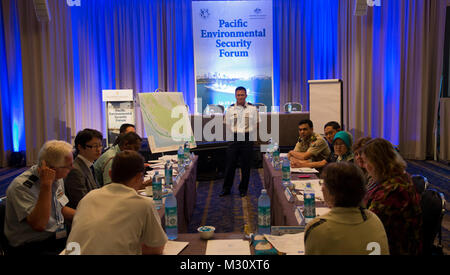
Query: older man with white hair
x: 36, y: 203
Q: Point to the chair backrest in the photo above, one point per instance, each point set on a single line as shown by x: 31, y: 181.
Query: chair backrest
x: 433, y: 207
x: 293, y: 107
x: 214, y: 109
x: 420, y: 182
x: 3, y: 241
x: 259, y: 106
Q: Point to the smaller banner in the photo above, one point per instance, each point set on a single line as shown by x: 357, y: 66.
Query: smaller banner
x: 119, y: 110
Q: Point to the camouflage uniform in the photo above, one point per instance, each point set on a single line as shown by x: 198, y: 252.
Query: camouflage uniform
x: 316, y: 145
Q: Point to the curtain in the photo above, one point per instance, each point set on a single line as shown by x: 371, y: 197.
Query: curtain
x: 391, y: 64
x: 48, y: 82
x: 124, y: 44
x: 305, y: 47
x: 12, y: 135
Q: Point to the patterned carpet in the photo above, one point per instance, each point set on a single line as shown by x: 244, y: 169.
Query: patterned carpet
x: 6, y: 176
x: 229, y: 213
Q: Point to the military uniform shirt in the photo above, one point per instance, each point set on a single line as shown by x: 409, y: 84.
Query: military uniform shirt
x: 316, y: 145
x: 242, y: 119
x: 22, y: 196
x: 345, y: 231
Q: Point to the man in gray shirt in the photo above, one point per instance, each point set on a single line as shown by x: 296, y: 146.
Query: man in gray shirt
x: 36, y: 203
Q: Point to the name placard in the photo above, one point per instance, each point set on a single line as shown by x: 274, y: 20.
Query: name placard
x: 299, y: 216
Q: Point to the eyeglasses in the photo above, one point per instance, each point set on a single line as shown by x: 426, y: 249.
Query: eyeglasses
x: 63, y: 167
x: 97, y: 146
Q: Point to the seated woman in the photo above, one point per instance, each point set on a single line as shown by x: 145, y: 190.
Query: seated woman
x: 347, y: 228
x: 342, y: 144
x: 393, y: 197
x: 359, y: 144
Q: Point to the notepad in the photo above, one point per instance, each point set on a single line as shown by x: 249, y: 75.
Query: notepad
x: 290, y: 244
x: 304, y: 170
x: 174, y: 248
x: 228, y: 247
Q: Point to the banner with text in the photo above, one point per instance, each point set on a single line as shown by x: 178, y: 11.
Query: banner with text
x: 233, y: 47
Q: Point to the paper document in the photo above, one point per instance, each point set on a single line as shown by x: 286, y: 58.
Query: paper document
x: 283, y: 155
x: 304, y: 170
x: 300, y: 184
x: 320, y: 211
x: 228, y: 247
x: 168, y: 157
x: 174, y: 248
x: 315, y: 184
x: 291, y: 244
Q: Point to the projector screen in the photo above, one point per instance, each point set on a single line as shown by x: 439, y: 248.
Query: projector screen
x: 325, y: 102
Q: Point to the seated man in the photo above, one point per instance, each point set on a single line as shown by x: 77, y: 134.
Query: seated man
x: 124, y: 129
x: 81, y: 180
x: 330, y: 129
x: 36, y: 203
x: 347, y: 229
x: 128, y: 141
x: 115, y: 219
x: 310, y: 146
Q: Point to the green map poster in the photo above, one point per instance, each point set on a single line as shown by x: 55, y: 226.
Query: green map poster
x: 166, y: 121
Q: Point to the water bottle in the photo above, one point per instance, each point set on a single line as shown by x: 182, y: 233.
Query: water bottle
x: 168, y: 174
x: 187, y: 153
x: 264, y: 213
x: 309, y: 203
x: 270, y: 150
x: 180, y: 160
x: 289, y: 108
x: 276, y: 156
x: 171, y: 216
x: 286, y: 170
x: 157, y: 190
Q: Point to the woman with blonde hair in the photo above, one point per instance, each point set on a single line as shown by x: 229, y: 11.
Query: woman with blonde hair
x: 393, y: 197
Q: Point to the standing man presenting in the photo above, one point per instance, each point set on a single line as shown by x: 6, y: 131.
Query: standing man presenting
x: 241, y: 123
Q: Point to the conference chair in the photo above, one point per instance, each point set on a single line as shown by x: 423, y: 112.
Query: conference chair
x: 420, y: 182
x: 433, y: 208
x: 261, y: 107
x: 214, y: 109
x: 293, y: 107
x: 4, y: 245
